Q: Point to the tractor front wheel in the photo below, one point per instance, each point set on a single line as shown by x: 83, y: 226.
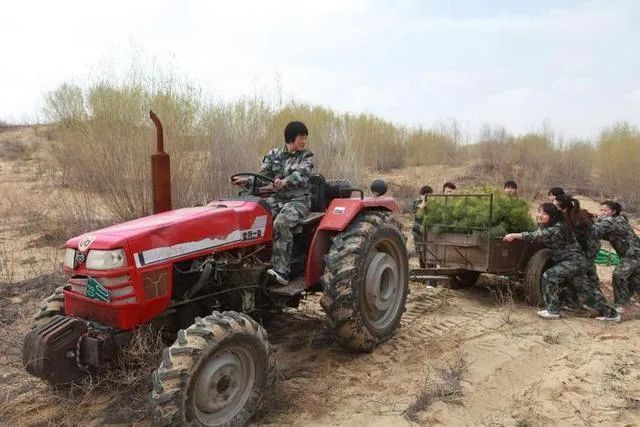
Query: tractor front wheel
x: 214, y: 374
x: 366, y: 281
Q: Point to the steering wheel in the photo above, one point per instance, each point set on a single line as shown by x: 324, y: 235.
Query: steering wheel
x: 255, y: 190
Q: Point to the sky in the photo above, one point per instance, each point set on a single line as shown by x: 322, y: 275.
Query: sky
x: 569, y: 65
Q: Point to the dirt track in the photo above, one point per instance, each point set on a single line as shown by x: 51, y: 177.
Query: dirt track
x: 467, y: 357
x: 476, y: 362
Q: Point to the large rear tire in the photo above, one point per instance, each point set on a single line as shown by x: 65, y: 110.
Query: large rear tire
x: 537, y: 265
x: 366, y: 281
x: 214, y: 374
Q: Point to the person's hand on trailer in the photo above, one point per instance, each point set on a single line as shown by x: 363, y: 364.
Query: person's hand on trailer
x: 512, y: 236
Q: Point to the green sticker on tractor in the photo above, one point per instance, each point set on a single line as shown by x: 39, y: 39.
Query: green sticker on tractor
x: 96, y: 291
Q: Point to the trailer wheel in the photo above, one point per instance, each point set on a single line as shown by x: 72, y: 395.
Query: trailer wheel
x: 537, y: 265
x: 464, y: 279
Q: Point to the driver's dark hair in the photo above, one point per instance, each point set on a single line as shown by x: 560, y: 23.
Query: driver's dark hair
x: 294, y: 129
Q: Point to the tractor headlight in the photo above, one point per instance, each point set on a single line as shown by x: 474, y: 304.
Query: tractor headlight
x: 70, y: 258
x: 105, y: 260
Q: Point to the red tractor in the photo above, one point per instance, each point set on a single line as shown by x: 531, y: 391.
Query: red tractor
x: 201, y: 273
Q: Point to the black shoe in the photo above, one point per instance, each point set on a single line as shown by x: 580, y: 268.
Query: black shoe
x: 281, y: 278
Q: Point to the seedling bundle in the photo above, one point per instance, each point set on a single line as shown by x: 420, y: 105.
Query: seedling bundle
x: 482, y: 209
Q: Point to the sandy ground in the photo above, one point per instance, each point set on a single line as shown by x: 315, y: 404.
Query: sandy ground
x: 477, y: 356
x: 467, y: 357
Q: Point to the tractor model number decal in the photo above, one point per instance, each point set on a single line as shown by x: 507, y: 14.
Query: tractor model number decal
x: 251, y: 234
x: 85, y: 243
x: 339, y: 210
x: 156, y: 255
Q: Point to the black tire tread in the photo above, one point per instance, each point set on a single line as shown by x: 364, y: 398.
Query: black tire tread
x: 339, y: 300
x: 536, y: 266
x: 171, y: 379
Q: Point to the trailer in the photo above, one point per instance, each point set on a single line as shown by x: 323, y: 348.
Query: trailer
x: 460, y: 256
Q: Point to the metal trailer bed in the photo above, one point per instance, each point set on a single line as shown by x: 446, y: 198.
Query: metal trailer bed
x: 460, y: 257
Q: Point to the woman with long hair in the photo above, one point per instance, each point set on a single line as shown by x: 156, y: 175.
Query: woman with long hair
x: 615, y: 227
x: 568, y: 258
x: 581, y: 223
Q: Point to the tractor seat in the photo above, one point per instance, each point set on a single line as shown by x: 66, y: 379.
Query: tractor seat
x: 310, y: 219
x: 324, y: 191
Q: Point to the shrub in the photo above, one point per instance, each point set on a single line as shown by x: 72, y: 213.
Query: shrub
x: 619, y: 163
x: 106, y: 140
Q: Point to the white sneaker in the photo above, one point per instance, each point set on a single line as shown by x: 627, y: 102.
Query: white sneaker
x: 615, y: 318
x: 545, y: 314
x: 620, y: 310
x: 278, y: 277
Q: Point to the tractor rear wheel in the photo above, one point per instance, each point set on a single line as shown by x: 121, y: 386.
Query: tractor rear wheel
x: 537, y: 265
x: 366, y: 281
x: 214, y: 374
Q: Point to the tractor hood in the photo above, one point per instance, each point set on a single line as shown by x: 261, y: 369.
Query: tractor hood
x: 181, y: 231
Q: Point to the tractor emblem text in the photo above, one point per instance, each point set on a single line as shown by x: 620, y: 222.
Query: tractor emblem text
x: 85, y: 243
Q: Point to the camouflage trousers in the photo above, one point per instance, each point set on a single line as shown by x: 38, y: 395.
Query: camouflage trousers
x: 418, y: 243
x: 286, y: 214
x: 626, y: 280
x: 570, y: 271
x: 590, y: 292
x: 580, y: 277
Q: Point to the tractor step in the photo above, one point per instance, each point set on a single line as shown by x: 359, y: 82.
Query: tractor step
x: 295, y: 287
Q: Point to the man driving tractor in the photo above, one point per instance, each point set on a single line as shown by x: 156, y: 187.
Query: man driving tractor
x: 290, y: 168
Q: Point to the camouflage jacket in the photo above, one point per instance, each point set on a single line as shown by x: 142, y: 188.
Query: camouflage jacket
x: 589, y: 242
x: 295, y: 168
x: 618, y: 231
x: 554, y: 238
x: 418, y: 227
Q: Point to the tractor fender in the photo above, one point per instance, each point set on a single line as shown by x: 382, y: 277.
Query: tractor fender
x: 341, y: 212
x: 337, y: 218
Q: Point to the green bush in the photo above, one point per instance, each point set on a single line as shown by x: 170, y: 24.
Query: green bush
x: 471, y: 214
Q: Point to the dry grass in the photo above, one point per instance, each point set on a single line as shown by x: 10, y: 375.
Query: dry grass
x: 7, y: 261
x: 16, y: 150
x: 103, y: 137
x: 445, y: 387
x: 503, y: 293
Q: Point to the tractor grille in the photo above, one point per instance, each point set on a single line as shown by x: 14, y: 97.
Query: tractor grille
x: 120, y: 288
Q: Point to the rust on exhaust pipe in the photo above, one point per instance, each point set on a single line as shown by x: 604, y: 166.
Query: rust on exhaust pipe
x: 160, y: 171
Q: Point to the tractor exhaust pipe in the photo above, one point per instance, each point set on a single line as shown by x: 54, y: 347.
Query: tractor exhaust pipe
x: 160, y: 171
